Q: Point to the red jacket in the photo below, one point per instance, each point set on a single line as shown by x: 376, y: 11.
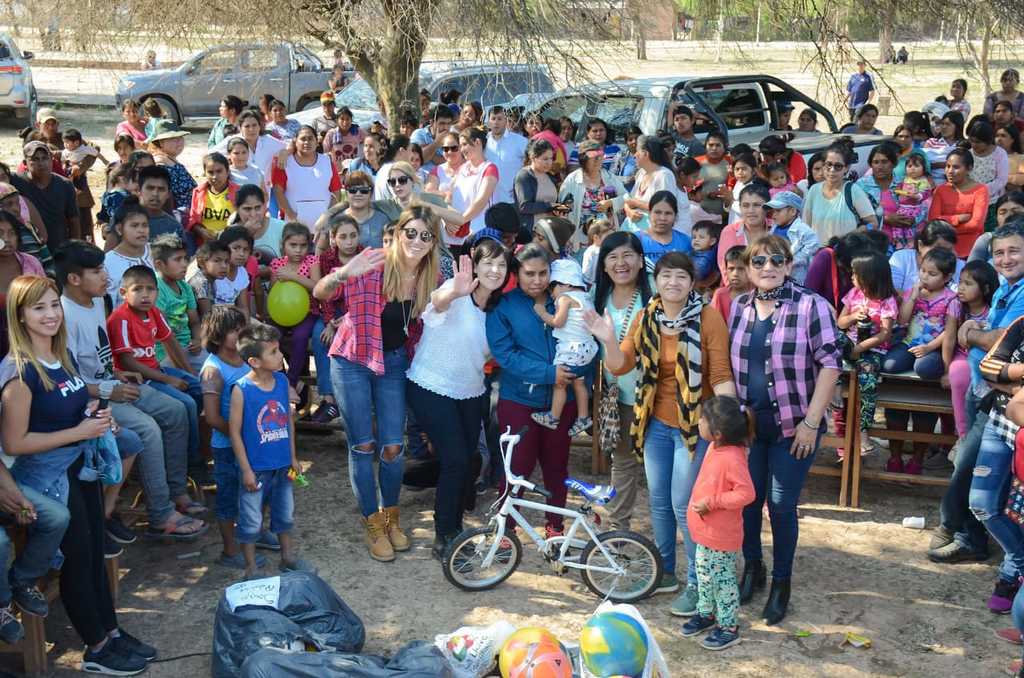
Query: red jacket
x: 195, y: 211
x: 724, y: 482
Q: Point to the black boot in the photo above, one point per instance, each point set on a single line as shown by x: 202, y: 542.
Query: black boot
x: 754, y: 577
x: 778, y: 601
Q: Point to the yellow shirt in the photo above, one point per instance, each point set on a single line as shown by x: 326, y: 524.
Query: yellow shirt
x: 216, y: 211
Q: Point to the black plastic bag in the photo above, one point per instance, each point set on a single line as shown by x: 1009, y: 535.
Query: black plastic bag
x: 418, y: 659
x: 290, y: 612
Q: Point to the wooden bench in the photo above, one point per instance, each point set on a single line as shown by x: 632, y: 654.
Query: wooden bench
x: 32, y: 647
x: 850, y: 393
x: 909, y: 393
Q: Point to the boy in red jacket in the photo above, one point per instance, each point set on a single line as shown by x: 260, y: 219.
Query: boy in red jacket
x: 715, y: 519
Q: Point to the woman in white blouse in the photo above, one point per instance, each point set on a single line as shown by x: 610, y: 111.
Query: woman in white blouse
x: 446, y: 379
x: 655, y: 174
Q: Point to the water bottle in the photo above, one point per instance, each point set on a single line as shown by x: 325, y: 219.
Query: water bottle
x: 865, y: 329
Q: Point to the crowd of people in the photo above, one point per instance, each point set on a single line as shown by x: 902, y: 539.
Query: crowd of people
x: 472, y: 271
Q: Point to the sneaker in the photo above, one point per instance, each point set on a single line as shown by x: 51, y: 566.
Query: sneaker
x: 1010, y: 635
x: 940, y: 537
x: 686, y: 604
x: 1001, y: 601
x: 111, y: 549
x: 668, y: 584
x: 894, y: 465
x: 954, y: 552
x: 11, y: 630
x: 325, y: 413
x: 545, y: 419
x: 720, y: 638
x: 698, y: 624
x: 268, y: 541
x: 113, y: 659
x: 134, y: 645
x: 582, y: 425
x: 913, y: 468
x: 118, y: 531
x: 30, y: 599
x: 937, y: 459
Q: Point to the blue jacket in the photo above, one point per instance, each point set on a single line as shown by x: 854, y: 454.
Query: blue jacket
x: 524, y: 348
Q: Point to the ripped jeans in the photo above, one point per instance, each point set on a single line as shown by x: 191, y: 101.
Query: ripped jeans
x: 989, y: 488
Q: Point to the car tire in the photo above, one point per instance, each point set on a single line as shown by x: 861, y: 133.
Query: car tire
x: 168, y: 107
x: 307, y: 105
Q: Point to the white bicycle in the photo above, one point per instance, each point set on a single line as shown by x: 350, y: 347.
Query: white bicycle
x: 620, y: 565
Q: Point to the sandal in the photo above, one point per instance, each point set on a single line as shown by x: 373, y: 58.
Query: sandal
x: 178, y: 529
x: 192, y: 509
x: 545, y: 419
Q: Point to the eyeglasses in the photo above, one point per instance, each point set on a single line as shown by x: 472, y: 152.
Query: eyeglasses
x: 837, y: 166
x: 360, y: 190
x: 398, y: 181
x: 411, y: 233
x: 759, y: 261
x: 449, y: 149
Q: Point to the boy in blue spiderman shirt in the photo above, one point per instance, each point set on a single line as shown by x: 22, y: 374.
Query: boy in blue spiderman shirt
x: 263, y: 439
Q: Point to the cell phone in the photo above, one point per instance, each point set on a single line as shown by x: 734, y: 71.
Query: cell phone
x: 101, y: 406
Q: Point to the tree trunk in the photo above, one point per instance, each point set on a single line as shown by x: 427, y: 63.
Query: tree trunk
x: 636, y: 17
x: 757, y: 28
x: 983, y: 57
x: 888, y: 20
x: 719, y: 31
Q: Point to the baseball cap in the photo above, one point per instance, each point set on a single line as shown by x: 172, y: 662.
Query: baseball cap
x: 33, y: 146
x: 44, y: 114
x: 166, y: 129
x: 327, y: 96
x: 484, y: 233
x: 784, y: 105
x: 785, y: 199
x: 589, y: 146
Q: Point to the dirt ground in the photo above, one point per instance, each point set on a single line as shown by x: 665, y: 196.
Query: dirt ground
x: 856, y: 570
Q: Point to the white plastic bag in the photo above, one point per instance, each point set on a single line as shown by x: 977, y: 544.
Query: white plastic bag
x: 655, y: 666
x: 472, y: 650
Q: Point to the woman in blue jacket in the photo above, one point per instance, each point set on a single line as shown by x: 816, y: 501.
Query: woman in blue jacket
x: 524, y: 348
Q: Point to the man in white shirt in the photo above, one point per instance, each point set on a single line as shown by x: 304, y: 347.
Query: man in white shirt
x: 507, y: 150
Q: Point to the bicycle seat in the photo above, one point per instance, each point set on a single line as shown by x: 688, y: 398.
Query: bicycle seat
x: 599, y: 494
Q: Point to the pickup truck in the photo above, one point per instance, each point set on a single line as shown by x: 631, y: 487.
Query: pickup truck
x: 291, y: 73
x: 744, y: 107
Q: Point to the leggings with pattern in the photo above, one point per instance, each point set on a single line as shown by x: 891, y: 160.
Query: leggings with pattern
x: 718, y: 593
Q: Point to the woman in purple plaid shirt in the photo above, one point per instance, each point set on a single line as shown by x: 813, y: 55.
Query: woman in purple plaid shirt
x: 785, y: 357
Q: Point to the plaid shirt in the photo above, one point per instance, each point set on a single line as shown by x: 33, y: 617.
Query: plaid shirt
x: 1009, y: 349
x: 360, y: 338
x: 803, y: 340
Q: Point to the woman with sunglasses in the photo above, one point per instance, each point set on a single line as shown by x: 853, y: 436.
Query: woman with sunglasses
x: 406, y: 190
x: 386, y: 293
x: 397, y: 150
x: 442, y: 175
x: 825, y: 207
x: 680, y: 349
x: 472, y: 192
x: 785, y: 357
x: 360, y: 207
x: 306, y: 183
x: 591, y: 192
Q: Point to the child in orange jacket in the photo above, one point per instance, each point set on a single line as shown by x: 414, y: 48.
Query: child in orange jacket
x: 715, y: 519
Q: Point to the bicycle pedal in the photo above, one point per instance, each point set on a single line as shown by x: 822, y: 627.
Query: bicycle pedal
x: 559, y: 567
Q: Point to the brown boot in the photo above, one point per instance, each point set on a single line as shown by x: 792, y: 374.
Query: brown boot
x: 398, y: 540
x: 377, y: 537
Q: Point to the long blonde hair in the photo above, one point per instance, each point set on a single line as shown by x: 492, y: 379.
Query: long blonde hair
x: 26, y: 290
x: 427, y: 270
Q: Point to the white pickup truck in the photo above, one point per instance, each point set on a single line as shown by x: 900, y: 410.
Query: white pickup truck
x: 745, y: 107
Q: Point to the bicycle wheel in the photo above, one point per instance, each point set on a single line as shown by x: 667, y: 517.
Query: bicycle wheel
x: 635, y: 554
x: 463, y: 559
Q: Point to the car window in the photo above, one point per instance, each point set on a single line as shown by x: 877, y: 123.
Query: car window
x: 573, y: 107
x: 261, y: 60
x: 357, y: 95
x: 620, y: 112
x: 739, y: 107
x: 499, y: 88
x: 458, y: 82
x: 304, y: 55
x: 220, y: 61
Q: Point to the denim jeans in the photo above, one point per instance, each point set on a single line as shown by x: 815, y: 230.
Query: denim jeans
x: 900, y: 359
x: 954, y: 512
x: 989, y: 488
x: 322, y: 361
x: 778, y: 476
x: 193, y: 401
x: 128, y: 442
x: 671, y: 474
x: 276, y: 489
x: 361, y: 395
x: 226, y: 475
x: 44, y: 537
x: 162, y: 423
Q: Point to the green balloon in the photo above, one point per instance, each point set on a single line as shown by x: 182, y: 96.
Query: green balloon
x: 288, y: 303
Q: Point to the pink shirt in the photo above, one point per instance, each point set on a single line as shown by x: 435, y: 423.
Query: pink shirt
x: 878, y: 310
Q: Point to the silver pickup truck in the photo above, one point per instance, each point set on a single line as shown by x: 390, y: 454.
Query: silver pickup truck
x: 291, y: 73
x: 745, y: 107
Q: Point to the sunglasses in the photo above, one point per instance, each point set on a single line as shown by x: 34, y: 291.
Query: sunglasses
x: 398, y: 181
x: 411, y: 233
x: 759, y: 261
x: 835, y: 166
x: 360, y: 190
x: 449, y: 149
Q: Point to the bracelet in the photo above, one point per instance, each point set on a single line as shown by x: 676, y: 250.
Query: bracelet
x: 813, y: 427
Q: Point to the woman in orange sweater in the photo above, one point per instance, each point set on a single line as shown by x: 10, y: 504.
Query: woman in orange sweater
x: 681, y: 349
x: 715, y: 517
x: 962, y: 202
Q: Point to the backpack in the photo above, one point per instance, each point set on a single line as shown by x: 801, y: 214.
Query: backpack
x: 848, y: 196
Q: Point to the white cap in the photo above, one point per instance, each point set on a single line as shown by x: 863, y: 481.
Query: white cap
x: 567, y: 272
